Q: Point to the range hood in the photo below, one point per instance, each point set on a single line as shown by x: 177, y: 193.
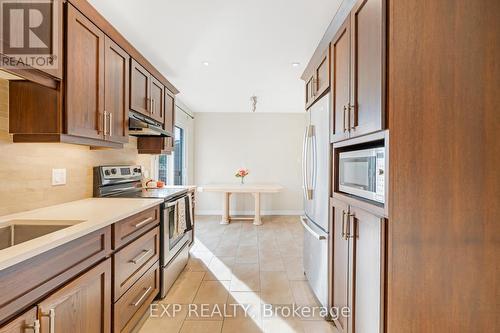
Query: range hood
x: 142, y: 126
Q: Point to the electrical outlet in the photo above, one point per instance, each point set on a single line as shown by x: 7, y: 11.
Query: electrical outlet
x: 58, y: 177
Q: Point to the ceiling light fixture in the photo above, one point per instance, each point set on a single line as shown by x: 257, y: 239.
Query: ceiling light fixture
x: 295, y: 64
x: 253, y: 99
x: 205, y: 63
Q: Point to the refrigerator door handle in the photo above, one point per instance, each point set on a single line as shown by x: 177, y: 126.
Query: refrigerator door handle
x: 315, y: 158
x: 305, y: 152
x: 316, y: 235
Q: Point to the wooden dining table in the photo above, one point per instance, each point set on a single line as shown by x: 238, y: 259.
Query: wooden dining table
x: 227, y: 189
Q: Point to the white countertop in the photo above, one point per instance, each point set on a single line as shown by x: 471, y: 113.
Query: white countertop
x: 241, y: 188
x: 96, y: 213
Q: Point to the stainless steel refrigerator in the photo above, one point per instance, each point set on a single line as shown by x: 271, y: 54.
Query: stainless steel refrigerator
x: 316, y: 187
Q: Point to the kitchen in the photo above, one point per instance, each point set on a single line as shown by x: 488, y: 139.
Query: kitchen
x: 177, y: 168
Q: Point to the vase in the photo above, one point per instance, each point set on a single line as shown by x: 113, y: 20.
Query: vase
x: 242, y: 180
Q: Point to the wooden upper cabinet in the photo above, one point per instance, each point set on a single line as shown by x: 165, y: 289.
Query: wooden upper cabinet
x: 81, y: 306
x: 147, y: 94
x: 117, y: 70
x: 309, y: 92
x: 139, y: 88
x: 50, y: 33
x: 169, y: 111
x: 157, y: 100
x: 25, y: 323
x: 367, y: 67
x: 358, y: 65
x: 320, y: 80
x: 322, y: 75
x: 84, y: 77
x: 340, y: 68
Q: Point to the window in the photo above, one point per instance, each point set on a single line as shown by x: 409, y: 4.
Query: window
x: 179, y: 156
x: 171, y: 167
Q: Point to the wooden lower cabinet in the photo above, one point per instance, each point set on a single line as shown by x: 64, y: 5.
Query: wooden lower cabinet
x: 25, y: 323
x: 81, y: 306
x: 340, y: 248
x: 131, y: 262
x: 358, y: 267
x: 132, y: 306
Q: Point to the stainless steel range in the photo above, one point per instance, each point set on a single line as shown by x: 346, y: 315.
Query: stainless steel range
x: 125, y: 181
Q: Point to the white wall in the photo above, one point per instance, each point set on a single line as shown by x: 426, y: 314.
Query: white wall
x: 184, y: 119
x: 268, y: 144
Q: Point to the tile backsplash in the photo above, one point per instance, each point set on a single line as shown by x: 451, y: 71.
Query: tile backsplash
x: 26, y: 168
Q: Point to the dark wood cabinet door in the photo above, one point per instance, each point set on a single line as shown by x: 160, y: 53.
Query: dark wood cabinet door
x: 340, y: 67
x: 139, y: 89
x: 309, y: 92
x: 367, y: 235
x: 169, y: 111
x: 84, y: 77
x: 81, y: 306
x: 157, y: 100
x: 116, y: 92
x: 51, y: 35
x: 322, y: 75
x: 25, y: 323
x: 340, y: 266
x: 367, y: 67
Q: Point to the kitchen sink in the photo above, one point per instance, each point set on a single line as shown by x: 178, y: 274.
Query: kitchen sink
x: 19, y: 231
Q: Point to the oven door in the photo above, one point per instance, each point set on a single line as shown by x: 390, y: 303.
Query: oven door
x: 171, y: 243
x: 362, y: 173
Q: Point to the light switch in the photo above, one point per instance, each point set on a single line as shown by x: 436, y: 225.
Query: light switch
x: 58, y: 177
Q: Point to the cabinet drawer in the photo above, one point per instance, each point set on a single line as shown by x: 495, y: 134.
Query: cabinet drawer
x: 25, y: 283
x: 134, y: 226
x: 135, y: 302
x: 131, y: 262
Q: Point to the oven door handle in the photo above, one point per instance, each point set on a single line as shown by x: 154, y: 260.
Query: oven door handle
x: 171, y: 204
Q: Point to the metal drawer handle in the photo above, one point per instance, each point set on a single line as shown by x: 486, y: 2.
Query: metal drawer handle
x: 52, y: 320
x: 105, y: 121
x: 140, y: 224
x: 110, y: 124
x: 35, y: 327
x: 343, y: 234
x: 142, y: 297
x: 141, y: 257
x: 348, y: 224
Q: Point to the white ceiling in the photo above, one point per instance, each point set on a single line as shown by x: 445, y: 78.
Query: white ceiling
x: 249, y: 44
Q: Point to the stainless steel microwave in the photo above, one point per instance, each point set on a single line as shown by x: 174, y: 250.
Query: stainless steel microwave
x: 362, y: 173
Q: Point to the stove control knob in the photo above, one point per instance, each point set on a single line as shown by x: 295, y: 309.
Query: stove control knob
x: 107, y: 173
x: 113, y: 171
x: 137, y: 170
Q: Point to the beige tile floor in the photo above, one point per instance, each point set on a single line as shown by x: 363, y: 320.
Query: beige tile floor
x: 241, y: 264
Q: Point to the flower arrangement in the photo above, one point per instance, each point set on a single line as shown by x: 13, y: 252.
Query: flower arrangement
x: 242, y: 173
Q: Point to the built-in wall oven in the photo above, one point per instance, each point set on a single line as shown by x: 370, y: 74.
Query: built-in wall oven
x: 363, y: 173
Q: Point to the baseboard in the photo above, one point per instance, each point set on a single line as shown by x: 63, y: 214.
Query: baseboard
x: 251, y: 212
